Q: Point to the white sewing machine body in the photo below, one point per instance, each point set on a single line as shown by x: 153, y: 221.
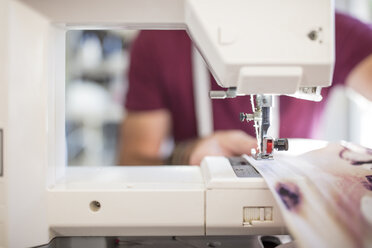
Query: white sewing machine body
x: 165, y: 201
x: 41, y: 198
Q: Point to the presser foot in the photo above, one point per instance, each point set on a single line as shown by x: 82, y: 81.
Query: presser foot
x: 268, y: 146
x: 259, y: 156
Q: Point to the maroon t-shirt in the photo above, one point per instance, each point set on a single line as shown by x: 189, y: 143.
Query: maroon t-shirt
x: 160, y: 77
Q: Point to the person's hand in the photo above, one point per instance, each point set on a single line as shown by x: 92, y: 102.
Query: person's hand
x: 222, y: 143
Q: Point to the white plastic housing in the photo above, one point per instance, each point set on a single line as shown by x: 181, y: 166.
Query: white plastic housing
x: 227, y: 196
x: 265, y: 47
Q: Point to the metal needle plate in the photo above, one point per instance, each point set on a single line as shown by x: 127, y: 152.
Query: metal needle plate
x: 242, y: 167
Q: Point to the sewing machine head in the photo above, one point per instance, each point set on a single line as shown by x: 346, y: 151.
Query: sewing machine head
x: 276, y: 52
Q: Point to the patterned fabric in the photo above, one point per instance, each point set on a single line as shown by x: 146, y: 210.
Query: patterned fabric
x: 325, y: 195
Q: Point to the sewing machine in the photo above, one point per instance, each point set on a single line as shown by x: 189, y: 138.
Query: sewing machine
x: 255, y: 47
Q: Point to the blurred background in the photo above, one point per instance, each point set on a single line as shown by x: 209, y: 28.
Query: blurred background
x: 96, y: 84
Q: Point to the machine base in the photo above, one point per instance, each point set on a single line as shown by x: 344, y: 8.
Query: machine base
x: 171, y: 242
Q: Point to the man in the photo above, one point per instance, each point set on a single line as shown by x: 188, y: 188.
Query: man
x: 160, y: 99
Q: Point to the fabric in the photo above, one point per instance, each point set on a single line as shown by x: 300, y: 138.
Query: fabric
x: 160, y: 77
x: 325, y: 196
